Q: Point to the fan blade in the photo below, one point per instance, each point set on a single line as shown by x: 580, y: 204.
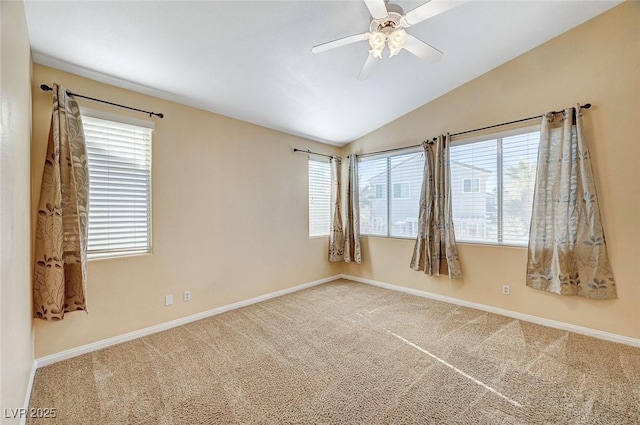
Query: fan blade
x: 339, y: 42
x: 368, y: 66
x: 429, y: 10
x: 422, y: 50
x: 377, y: 8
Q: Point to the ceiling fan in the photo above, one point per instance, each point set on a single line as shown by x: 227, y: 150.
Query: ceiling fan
x: 387, y: 28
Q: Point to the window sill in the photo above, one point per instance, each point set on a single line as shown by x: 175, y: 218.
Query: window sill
x: 458, y: 242
x: 407, y: 238
x: 116, y: 255
x: 492, y: 245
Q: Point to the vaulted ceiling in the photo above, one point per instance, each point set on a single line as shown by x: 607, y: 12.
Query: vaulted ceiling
x: 251, y: 60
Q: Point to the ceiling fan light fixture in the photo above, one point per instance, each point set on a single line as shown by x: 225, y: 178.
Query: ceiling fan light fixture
x: 397, y: 39
x: 387, y: 28
x: 377, y: 41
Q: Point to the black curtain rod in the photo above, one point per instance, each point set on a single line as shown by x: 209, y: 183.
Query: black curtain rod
x: 315, y: 153
x: 585, y: 106
x: 45, y: 87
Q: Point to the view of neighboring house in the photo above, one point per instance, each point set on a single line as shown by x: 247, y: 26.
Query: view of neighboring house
x: 389, y: 193
x: 390, y: 190
x: 474, y: 206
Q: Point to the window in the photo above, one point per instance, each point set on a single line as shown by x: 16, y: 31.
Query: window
x: 389, y: 188
x: 402, y: 190
x: 492, y: 183
x: 119, y: 161
x: 319, y: 197
x: 381, y: 191
x: 471, y: 185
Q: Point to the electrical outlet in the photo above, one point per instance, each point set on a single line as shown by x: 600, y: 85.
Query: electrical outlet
x: 506, y: 289
x: 326, y: 264
x: 186, y: 296
x: 168, y: 300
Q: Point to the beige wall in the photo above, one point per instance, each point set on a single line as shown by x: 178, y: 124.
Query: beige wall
x: 597, y: 62
x: 229, y: 218
x: 15, y: 252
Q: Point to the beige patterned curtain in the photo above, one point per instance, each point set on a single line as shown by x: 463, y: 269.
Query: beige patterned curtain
x: 435, y: 251
x: 352, y: 226
x: 567, y: 249
x: 60, y: 273
x: 336, y: 237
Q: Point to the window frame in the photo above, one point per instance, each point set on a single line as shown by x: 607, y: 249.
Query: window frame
x: 498, y: 136
x: 150, y: 125
x: 457, y: 141
x: 389, y: 191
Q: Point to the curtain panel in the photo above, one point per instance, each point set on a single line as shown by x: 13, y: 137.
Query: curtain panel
x: 567, y: 249
x: 336, y: 235
x: 60, y: 264
x: 435, y: 250
x: 352, y: 225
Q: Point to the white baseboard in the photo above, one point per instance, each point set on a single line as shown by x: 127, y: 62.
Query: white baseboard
x: 73, y: 352
x: 27, y: 395
x: 621, y: 339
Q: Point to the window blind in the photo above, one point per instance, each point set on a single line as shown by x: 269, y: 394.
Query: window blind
x: 319, y: 197
x: 119, y: 162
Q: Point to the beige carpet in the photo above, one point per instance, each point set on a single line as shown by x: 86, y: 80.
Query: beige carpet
x: 348, y: 353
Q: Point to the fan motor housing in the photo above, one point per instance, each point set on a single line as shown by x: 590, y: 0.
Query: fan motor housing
x: 386, y: 25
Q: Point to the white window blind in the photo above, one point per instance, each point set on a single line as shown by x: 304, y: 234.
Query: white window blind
x: 319, y: 197
x: 119, y: 161
x: 389, y: 188
x: 492, y: 183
